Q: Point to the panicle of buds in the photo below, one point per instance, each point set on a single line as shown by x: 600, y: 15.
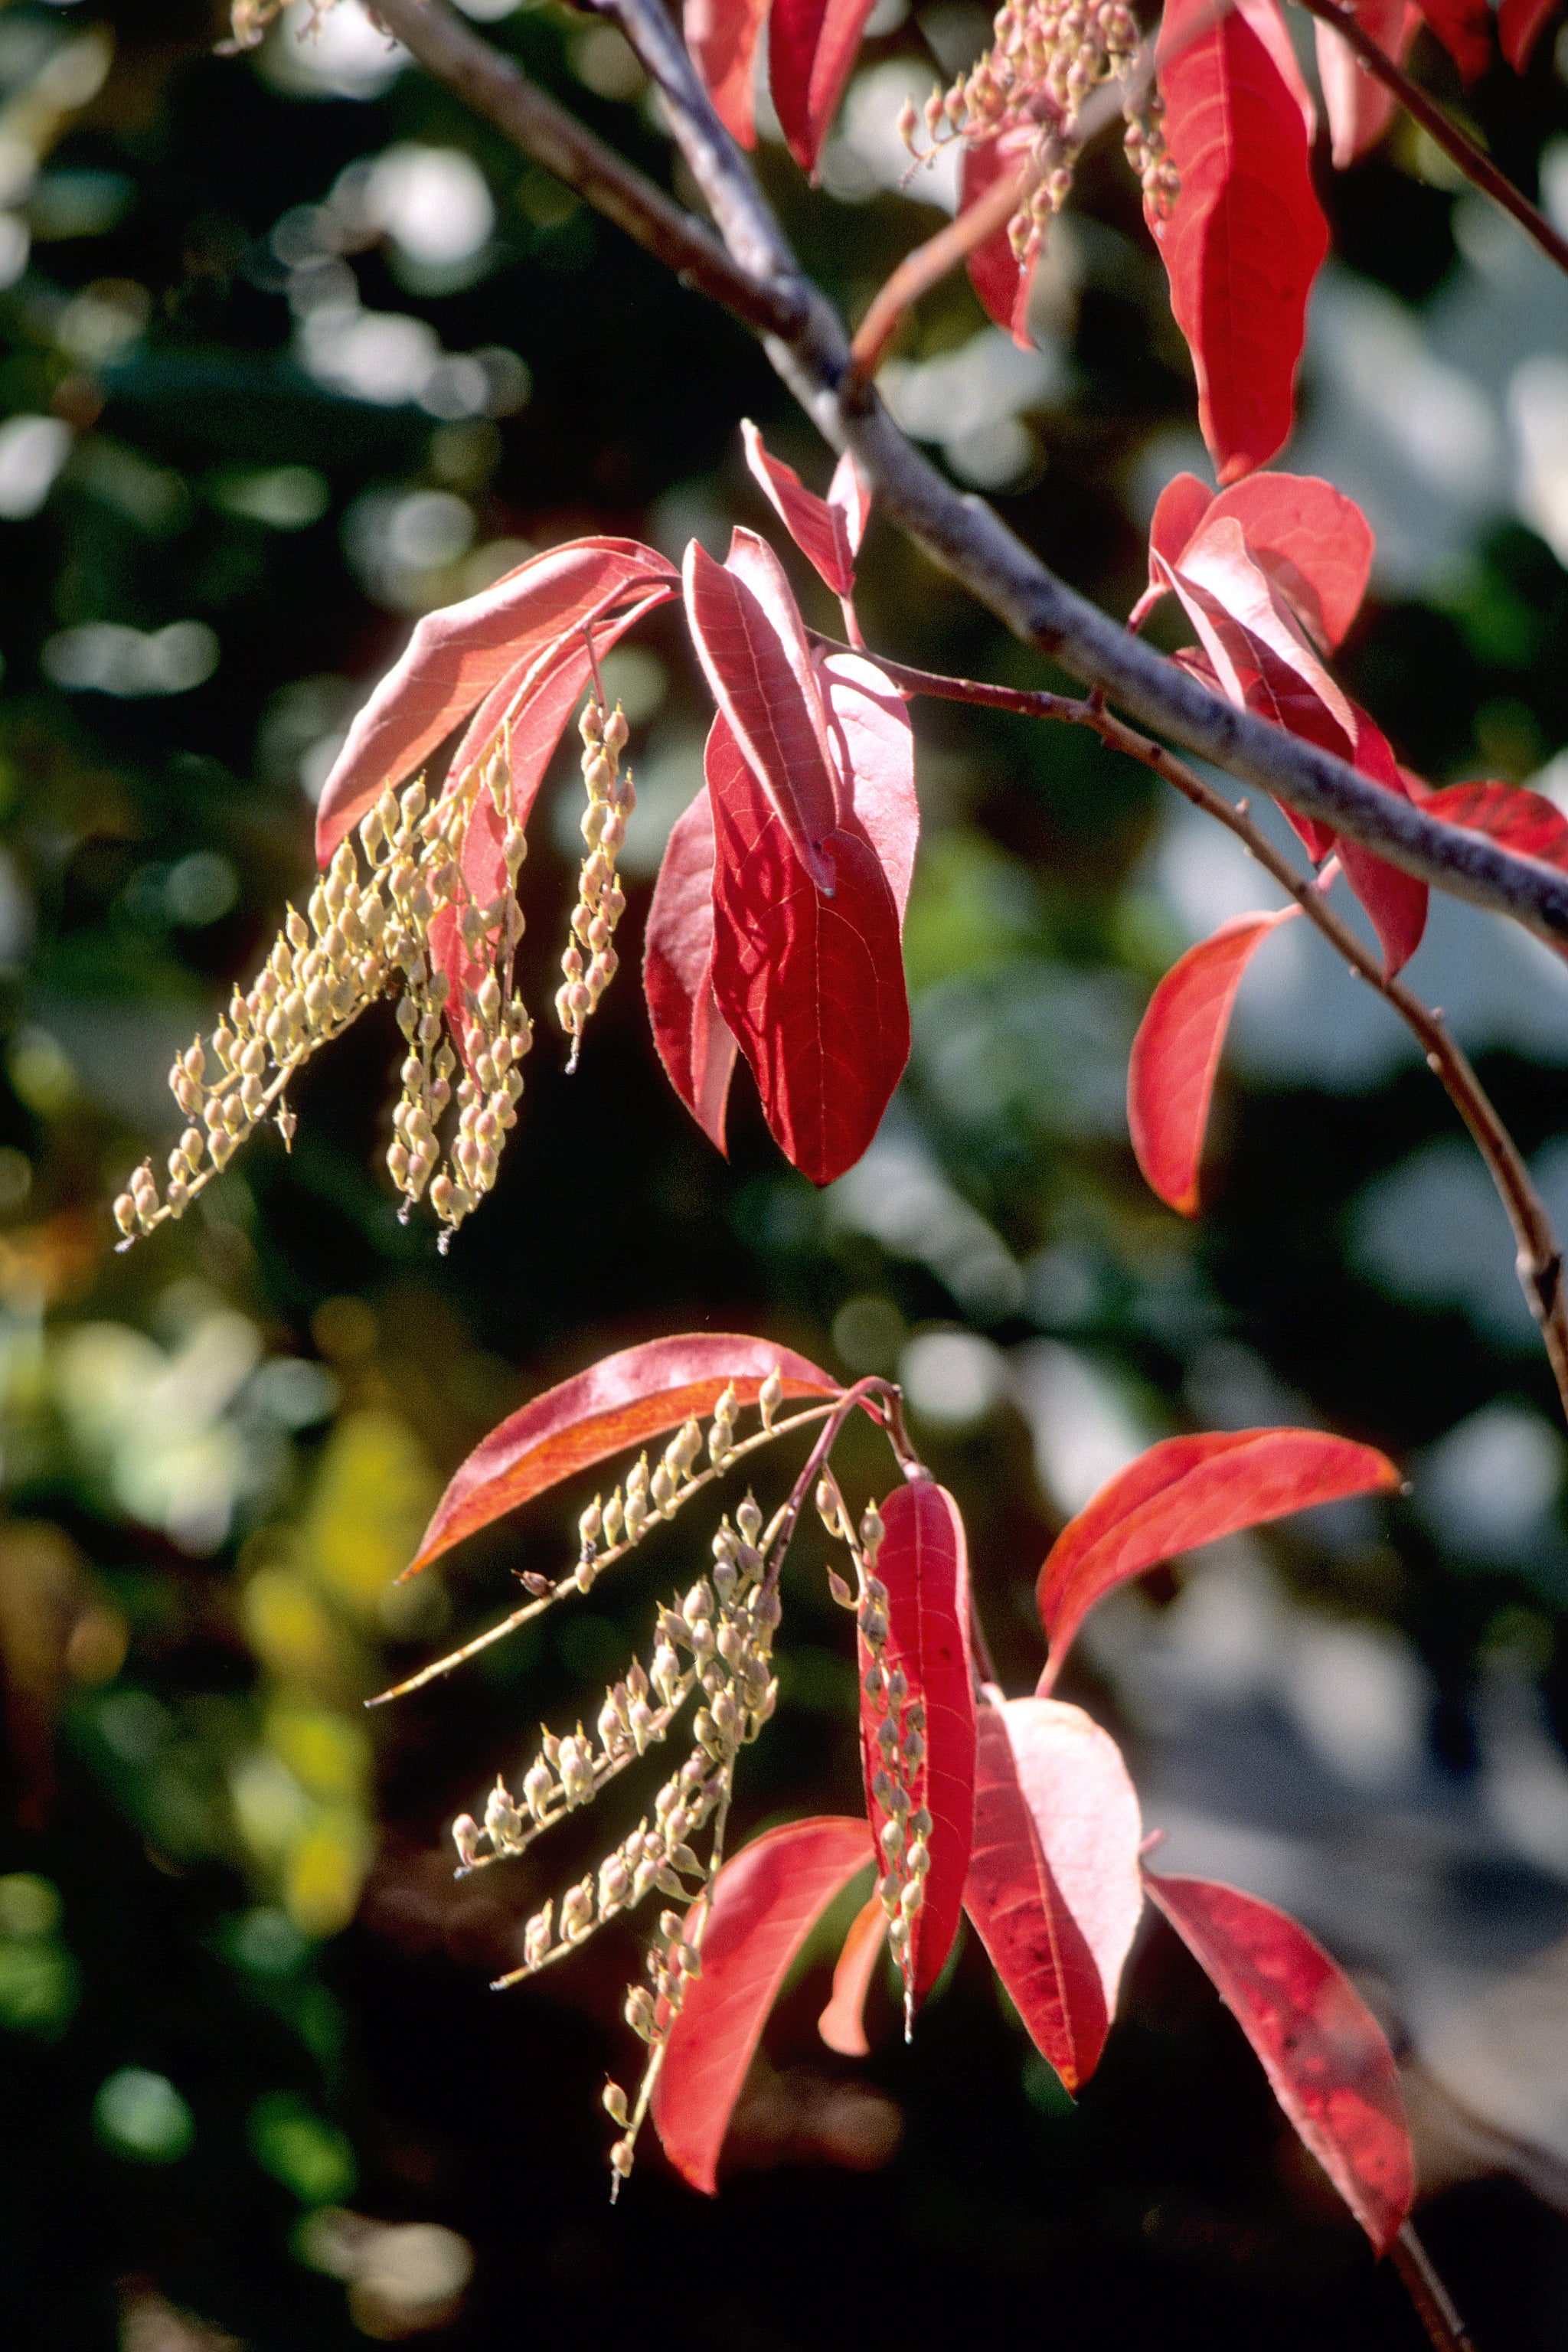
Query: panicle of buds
x: 904, y: 1828
x: 590, y: 962
x: 1028, y: 90
x: 367, y: 931
x: 248, y: 20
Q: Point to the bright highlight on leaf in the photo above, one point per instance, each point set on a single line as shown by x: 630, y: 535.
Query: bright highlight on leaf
x: 763, y: 1906
x: 1326, y: 2057
x: 613, y: 1406
x: 1188, y: 1491
x: 1176, y: 1056
x: 1053, y: 1887
x: 842, y: 2024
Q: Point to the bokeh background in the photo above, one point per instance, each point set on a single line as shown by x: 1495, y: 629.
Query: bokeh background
x: 291, y: 351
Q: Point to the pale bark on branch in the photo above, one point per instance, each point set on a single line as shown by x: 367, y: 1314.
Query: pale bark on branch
x: 753, y: 274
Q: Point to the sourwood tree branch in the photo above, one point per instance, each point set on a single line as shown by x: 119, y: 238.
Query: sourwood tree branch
x: 1478, y: 168
x: 1538, y: 1258
x: 757, y: 278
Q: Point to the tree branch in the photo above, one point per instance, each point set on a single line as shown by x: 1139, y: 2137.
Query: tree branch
x: 1539, y: 1261
x: 806, y: 342
x: 1478, y: 168
x: 1426, y: 2291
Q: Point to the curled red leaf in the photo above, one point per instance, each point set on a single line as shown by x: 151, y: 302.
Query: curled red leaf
x: 1176, y: 1056
x: 636, y: 1394
x: 1359, y: 109
x: 1326, y: 2057
x: 1465, y: 29
x: 694, y: 1043
x: 842, y: 2024
x: 1053, y: 1887
x: 722, y: 37
x: 811, y: 48
x: 1247, y: 236
x: 1188, y: 1491
x: 924, y: 1562
x: 872, y: 748
x: 811, y: 987
x: 455, y: 657
x: 763, y: 1906
x: 752, y: 643
x: 1520, y: 24
x: 1002, y: 283
x: 820, y: 528
x: 1313, y: 544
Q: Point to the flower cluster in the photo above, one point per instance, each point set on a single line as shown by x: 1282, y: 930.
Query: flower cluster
x: 1028, y: 92
x: 394, y: 914
x: 601, y: 902
x: 713, y: 1648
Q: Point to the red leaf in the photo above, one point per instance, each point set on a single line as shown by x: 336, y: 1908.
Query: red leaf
x: 1002, y: 284
x: 872, y: 748
x: 722, y: 37
x: 1326, y: 2057
x: 924, y: 1562
x: 1176, y: 1056
x: 1053, y: 1886
x: 811, y: 987
x: 1465, y: 29
x: 811, y: 48
x: 842, y: 2024
x: 455, y: 656
x: 1520, y: 24
x: 1187, y: 1491
x: 754, y: 655
x: 1261, y: 653
x: 1396, y: 900
x: 819, y: 529
x: 1247, y: 235
x: 1359, y: 109
x: 615, y: 1404
x: 696, y: 1047
x: 1525, y: 821
x: 1313, y: 544
x: 763, y: 1906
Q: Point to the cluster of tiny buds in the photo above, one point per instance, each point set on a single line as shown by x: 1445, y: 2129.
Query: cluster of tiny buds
x: 608, y: 1529
x: 248, y: 20
x: 367, y: 931
x: 1045, y: 59
x: 601, y: 901
x: 1144, y: 140
x: 897, y: 1783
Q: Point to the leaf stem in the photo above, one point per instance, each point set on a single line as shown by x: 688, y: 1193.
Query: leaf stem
x: 1539, y: 1260
x: 1478, y: 168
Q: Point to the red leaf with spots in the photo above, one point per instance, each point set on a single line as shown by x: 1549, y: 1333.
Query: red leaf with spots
x: 722, y: 37
x: 822, y: 528
x: 1520, y: 24
x: 697, y: 1048
x: 763, y: 1906
x: 1326, y: 2057
x: 924, y: 1562
x: 514, y: 632
x: 842, y: 2024
x: 1465, y: 29
x: 1053, y: 1887
x: 1247, y: 236
x: 810, y: 48
x: 616, y: 1405
x: 1188, y: 1491
x: 1176, y: 1056
x: 811, y: 987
